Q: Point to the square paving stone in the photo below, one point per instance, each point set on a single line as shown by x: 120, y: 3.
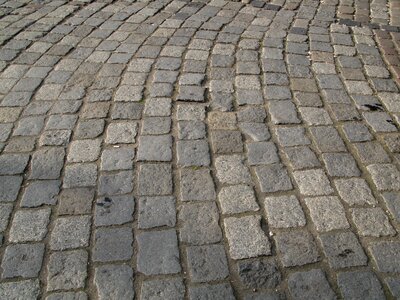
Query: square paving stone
x: 70, y: 232
x: 313, y: 182
x: 196, y: 185
x: 340, y: 164
x: 114, y: 282
x: 237, y: 199
x: 5, y: 212
x: 392, y: 201
x: 127, y: 111
x: 61, y: 122
x: 67, y: 270
x: 355, y: 191
x: 161, y: 289
x: 385, y: 176
x: 121, y: 133
x: 89, y: 129
x: 191, y: 93
x: 386, y: 256
x: 9, y: 188
x: 156, y: 211
x: 112, y: 244
x: 30, y: 126
x: 155, y: 179
x: 259, y: 274
x: 155, y: 148
x: 379, y: 121
x: 327, y: 139
x: 315, y: 116
x: 310, y: 285
x: 224, y: 141
x: 75, y: 201
x: 11, y: 164
x: 158, y: 252
x: 262, y: 153
x: 297, y: 248
x: 301, y: 157
x: 207, y: 263
x: 25, y: 289
x: 273, y: 178
x: 394, y: 286
x: 372, y: 222
x: 114, y: 210
x: 356, y: 132
x: 38, y: 193
x: 371, y: 153
x: 284, y: 212
x: 283, y: 112
x: 116, y: 183
x: 23, y: 260
x: 343, y: 250
x: 156, y: 125
x: 191, y: 130
x: 80, y: 175
x: 199, y: 223
x: 193, y: 153
x: 207, y: 291
x: 47, y: 163
x: 117, y: 159
x: 231, y: 169
x: 84, y: 150
x: 29, y: 225
x: 55, y: 138
x: 245, y: 237
x: 327, y: 213
x: 291, y: 136
x: 157, y: 107
x: 251, y: 97
x: 360, y: 285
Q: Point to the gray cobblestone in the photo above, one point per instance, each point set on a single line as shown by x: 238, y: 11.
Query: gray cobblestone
x: 9, y: 188
x: 114, y: 210
x: 327, y: 213
x: 67, y: 270
x: 112, y: 244
x: 38, y: 193
x: 297, y: 248
x: 114, y: 281
x: 207, y: 263
x: 273, y: 178
x: 243, y: 242
x: 156, y: 211
x: 70, y: 233
x: 158, y: 253
x: 311, y: 285
x: 360, y: 284
x: 284, y: 212
x: 163, y: 289
x: 28, y: 289
x: 237, y: 199
x: 343, y: 250
x: 199, y: 224
x: 22, y: 260
x: 29, y: 225
x: 121, y: 133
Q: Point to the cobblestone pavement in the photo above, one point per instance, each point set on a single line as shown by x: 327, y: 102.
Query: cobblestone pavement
x: 177, y: 149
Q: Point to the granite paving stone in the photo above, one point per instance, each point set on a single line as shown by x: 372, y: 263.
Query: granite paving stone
x: 114, y: 281
x: 213, y: 149
x: 297, y: 248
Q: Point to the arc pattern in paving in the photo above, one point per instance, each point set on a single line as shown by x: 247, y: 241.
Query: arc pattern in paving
x: 199, y: 150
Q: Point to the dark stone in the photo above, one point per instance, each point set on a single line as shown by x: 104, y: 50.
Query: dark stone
x: 259, y: 274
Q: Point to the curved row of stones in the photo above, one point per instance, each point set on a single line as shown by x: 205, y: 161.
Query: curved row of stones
x: 199, y: 150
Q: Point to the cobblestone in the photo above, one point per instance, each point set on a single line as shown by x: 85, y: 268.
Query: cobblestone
x: 155, y: 149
